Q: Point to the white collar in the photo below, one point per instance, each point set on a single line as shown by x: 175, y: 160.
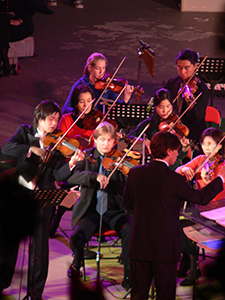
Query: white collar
x: 158, y: 159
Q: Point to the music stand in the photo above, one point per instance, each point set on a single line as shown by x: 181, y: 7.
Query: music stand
x: 44, y: 198
x: 147, y: 53
x: 129, y: 115
x: 212, y: 71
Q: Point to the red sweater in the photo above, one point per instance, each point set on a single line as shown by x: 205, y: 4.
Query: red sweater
x: 75, y: 132
x: 195, y: 163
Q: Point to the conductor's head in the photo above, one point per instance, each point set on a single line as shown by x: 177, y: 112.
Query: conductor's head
x: 165, y: 145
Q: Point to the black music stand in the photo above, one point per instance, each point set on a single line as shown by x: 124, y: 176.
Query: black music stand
x: 129, y: 115
x: 212, y: 71
x: 146, y: 53
x: 44, y: 198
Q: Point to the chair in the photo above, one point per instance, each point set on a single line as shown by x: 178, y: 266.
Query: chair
x: 213, y: 115
x: 106, y: 232
x: 21, y: 48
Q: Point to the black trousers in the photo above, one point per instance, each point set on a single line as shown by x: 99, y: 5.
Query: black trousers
x: 141, y: 274
x: 8, y: 257
x: 41, y: 252
x: 89, y: 224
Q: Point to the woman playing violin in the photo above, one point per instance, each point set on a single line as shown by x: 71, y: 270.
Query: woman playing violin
x: 210, y: 169
x: 94, y: 70
x: 163, y: 109
x: 194, y: 118
x: 81, y: 97
x: 210, y: 139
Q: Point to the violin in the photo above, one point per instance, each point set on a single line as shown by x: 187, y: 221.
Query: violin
x: 113, y: 158
x: 211, y: 164
x: 67, y: 146
x: 190, y: 89
x: 180, y: 129
x: 116, y: 85
x: 94, y: 118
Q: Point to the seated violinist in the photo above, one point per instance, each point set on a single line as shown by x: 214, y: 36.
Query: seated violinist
x: 163, y: 110
x: 82, y: 131
x: 81, y: 98
x: 194, y: 118
x: 100, y: 196
x: 206, y: 171
x: 94, y: 71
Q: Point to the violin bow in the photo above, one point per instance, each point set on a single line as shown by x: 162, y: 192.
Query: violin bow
x: 105, y: 116
x: 109, y: 82
x: 183, y: 87
x: 113, y: 104
x: 192, y: 103
x: 62, y: 137
x: 122, y: 159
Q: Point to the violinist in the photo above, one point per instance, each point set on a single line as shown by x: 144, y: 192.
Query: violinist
x: 163, y: 109
x: 27, y: 145
x: 87, y: 210
x: 81, y: 98
x: 210, y: 139
x: 194, y: 118
x: 94, y: 71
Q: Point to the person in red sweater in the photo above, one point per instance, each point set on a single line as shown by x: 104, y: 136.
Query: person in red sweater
x: 81, y: 98
x: 215, y: 151
x: 210, y: 139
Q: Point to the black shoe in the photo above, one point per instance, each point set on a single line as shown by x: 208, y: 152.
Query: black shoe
x: 73, y: 271
x: 45, y: 10
x: 126, y: 283
x: 188, y: 282
x: 184, y: 266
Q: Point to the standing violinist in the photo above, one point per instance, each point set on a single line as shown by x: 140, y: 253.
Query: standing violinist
x: 194, y: 118
x: 97, y: 190
x: 27, y: 145
x: 163, y: 109
x: 94, y: 71
x: 81, y: 98
x: 210, y: 139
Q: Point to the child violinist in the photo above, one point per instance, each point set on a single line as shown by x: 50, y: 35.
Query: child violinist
x: 163, y: 109
x: 206, y: 171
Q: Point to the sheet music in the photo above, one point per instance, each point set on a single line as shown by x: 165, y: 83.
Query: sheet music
x: 217, y: 215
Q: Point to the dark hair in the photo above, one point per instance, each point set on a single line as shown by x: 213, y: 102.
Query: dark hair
x: 76, y: 93
x: 187, y: 54
x: 44, y: 109
x: 161, y: 95
x: 161, y: 142
x: 216, y: 134
x: 91, y: 61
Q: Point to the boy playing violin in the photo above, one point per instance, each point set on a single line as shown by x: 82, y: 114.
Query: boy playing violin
x: 99, y: 197
x: 27, y: 145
